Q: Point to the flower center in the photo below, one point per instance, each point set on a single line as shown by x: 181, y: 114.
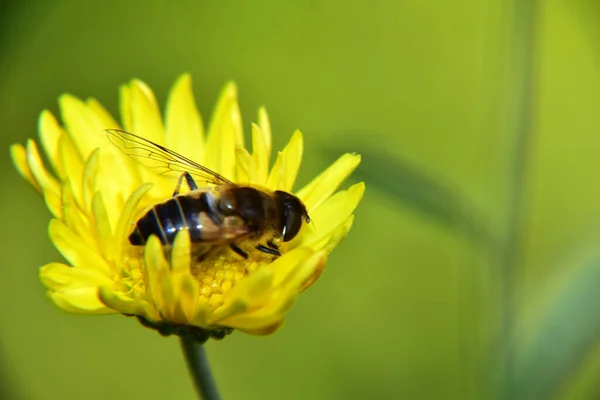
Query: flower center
x: 219, y: 272
x: 216, y: 273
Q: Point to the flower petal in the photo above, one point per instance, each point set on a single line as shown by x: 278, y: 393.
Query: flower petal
x: 125, y: 107
x: 126, y: 305
x: 157, y: 272
x: 331, y: 214
x: 328, y: 181
x: 245, y: 172
x: 246, y: 293
x: 261, y: 147
x: 287, y: 165
x: 306, y: 269
x: 276, y: 180
x: 72, y: 165
x: 50, y: 133
x: 224, y: 133
x: 58, y: 276
x: 89, y: 178
x: 74, y: 250
x: 123, y: 224
x: 19, y: 158
x: 286, y: 265
x: 145, y: 115
x: 265, y: 129
x: 264, y: 317
x: 104, y: 117
x: 184, y: 129
x: 73, y: 217
x: 106, y: 240
x: 85, y: 128
x: 80, y: 301
x: 36, y: 166
x: 181, y: 277
x: 53, y: 203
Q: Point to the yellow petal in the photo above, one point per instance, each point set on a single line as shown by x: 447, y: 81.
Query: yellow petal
x: 157, y: 271
x: 80, y: 301
x: 335, y: 211
x: 286, y: 265
x: 183, y: 284
x: 277, y: 178
x: 89, y: 179
x: 72, y: 165
x: 103, y: 230
x: 338, y: 235
x: 73, y: 216
x: 261, y: 154
x: 145, y: 115
x: 203, y: 313
x: 84, y: 127
x: 181, y: 254
x: 126, y: 305
x: 40, y: 174
x: 263, y: 317
x: 184, y: 129
x: 263, y: 330
x: 117, y: 176
x: 189, y: 293
x: 265, y: 129
x: 328, y: 181
x: 317, y: 270
x: 123, y: 226
x: 19, y: 158
x: 224, y: 133
x: 244, y: 166
x: 246, y: 293
x: 53, y: 202
x: 125, y: 107
x: 287, y: 164
x: 104, y: 117
x: 74, y: 250
x: 306, y: 269
x: 50, y: 133
x: 58, y: 276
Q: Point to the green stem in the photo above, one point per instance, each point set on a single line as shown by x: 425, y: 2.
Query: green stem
x: 197, y: 363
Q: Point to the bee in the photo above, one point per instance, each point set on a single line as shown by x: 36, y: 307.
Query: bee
x: 217, y: 213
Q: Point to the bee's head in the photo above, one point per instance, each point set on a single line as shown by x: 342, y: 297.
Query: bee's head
x: 292, y: 213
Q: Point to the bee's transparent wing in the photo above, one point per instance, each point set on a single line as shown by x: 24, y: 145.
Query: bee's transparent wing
x: 161, y: 160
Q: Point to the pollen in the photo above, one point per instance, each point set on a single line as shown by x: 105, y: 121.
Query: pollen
x: 220, y: 272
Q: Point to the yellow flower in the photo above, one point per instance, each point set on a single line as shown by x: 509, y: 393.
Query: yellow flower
x: 96, y: 194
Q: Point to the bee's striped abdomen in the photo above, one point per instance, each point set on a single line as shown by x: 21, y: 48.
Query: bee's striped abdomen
x: 165, y: 220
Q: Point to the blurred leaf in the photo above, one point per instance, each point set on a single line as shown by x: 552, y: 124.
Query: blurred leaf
x: 409, y: 187
x: 569, y: 330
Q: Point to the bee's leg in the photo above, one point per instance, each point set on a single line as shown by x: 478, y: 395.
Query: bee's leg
x: 272, y: 245
x: 239, y: 251
x: 268, y: 250
x: 188, y: 179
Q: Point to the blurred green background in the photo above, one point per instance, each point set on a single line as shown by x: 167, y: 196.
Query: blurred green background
x: 473, y: 265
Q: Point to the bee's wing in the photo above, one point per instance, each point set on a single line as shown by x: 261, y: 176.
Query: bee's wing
x: 160, y: 159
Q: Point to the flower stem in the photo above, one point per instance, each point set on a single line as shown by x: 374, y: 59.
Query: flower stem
x: 197, y: 363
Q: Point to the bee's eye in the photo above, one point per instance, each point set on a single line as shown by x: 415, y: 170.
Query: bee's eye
x: 292, y: 222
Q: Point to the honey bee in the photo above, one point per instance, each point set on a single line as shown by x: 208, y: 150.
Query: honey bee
x: 218, y: 213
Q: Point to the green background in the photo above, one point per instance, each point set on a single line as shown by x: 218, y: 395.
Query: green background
x: 472, y: 268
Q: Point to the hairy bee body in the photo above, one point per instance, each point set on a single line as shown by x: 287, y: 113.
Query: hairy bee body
x: 223, y: 213
x: 251, y: 213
